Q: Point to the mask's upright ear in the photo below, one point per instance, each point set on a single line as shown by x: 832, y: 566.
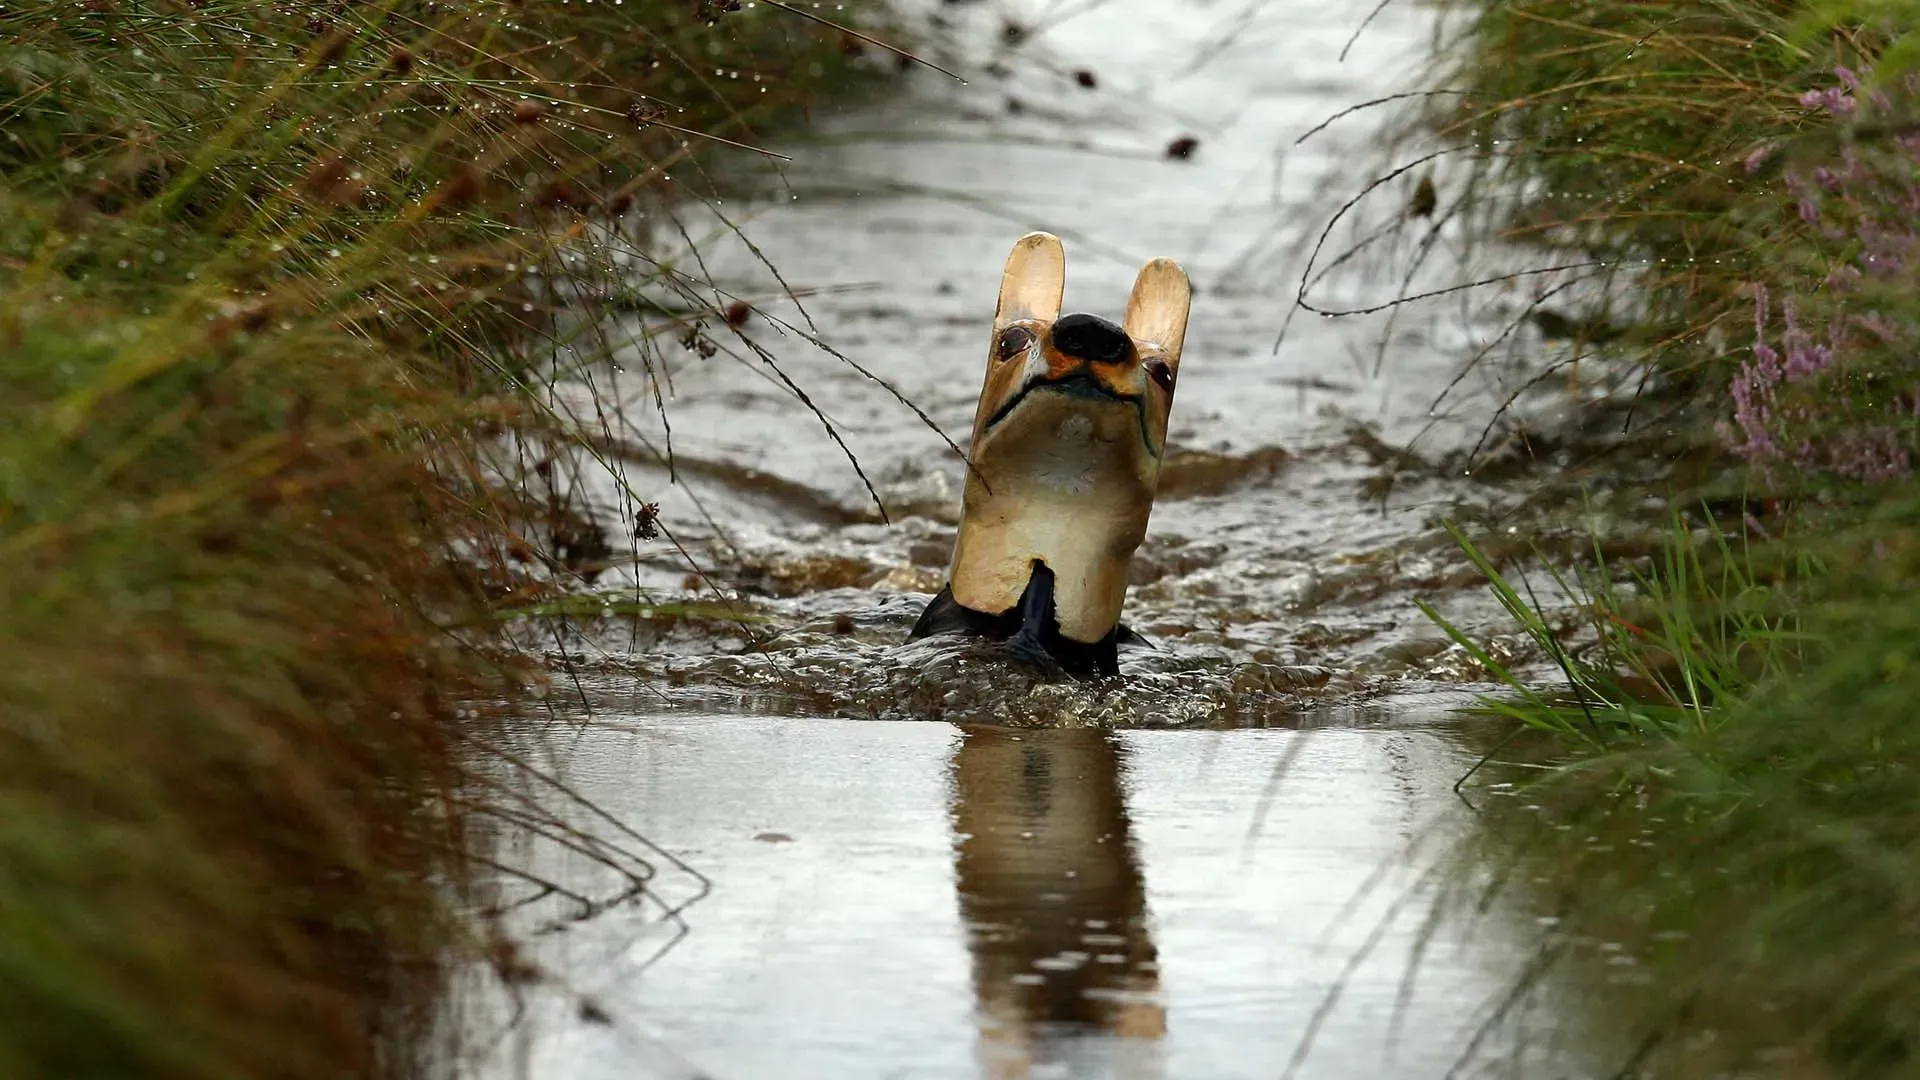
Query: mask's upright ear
x: 1157, y: 311
x: 1033, y: 283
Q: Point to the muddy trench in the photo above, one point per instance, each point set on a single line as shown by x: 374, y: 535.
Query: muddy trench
x: 878, y: 859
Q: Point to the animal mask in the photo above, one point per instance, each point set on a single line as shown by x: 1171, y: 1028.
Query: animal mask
x: 1067, y: 441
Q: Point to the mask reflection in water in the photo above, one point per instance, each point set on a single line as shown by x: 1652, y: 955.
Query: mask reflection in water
x: 1065, y: 974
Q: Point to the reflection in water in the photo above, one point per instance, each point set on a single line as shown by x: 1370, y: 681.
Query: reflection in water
x: 1291, y: 924
x: 1065, y: 973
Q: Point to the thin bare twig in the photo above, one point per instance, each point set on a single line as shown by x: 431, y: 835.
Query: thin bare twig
x: 894, y: 49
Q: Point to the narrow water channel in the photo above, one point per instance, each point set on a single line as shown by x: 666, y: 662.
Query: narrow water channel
x: 878, y: 860
x: 938, y: 900
x: 888, y: 232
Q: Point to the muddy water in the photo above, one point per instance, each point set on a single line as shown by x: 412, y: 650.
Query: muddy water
x: 1267, y: 581
x: 937, y: 900
x: 916, y: 861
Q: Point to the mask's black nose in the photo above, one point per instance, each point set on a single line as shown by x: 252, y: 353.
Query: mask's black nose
x: 1090, y: 337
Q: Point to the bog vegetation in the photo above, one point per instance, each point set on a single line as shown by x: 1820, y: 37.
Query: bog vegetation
x: 1744, y: 178
x: 276, y: 289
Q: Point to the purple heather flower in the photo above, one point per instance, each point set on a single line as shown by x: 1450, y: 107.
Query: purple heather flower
x: 1876, y: 324
x: 1806, y: 359
x: 1809, y: 200
x: 1751, y: 414
x: 1872, y: 456
x: 1795, y: 400
x: 1833, y: 99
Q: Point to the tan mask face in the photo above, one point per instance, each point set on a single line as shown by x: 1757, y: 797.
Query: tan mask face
x: 1067, y: 440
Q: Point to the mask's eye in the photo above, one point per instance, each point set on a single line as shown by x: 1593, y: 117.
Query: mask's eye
x: 1159, y: 371
x: 1012, y: 341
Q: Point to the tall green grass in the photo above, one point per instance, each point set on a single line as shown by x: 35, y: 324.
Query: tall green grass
x: 1645, y: 650
x: 1618, y: 132
x: 279, y: 290
x: 1733, y: 886
x: 1734, y: 719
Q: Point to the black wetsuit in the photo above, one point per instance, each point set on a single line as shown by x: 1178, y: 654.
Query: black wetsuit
x: 1030, y: 628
